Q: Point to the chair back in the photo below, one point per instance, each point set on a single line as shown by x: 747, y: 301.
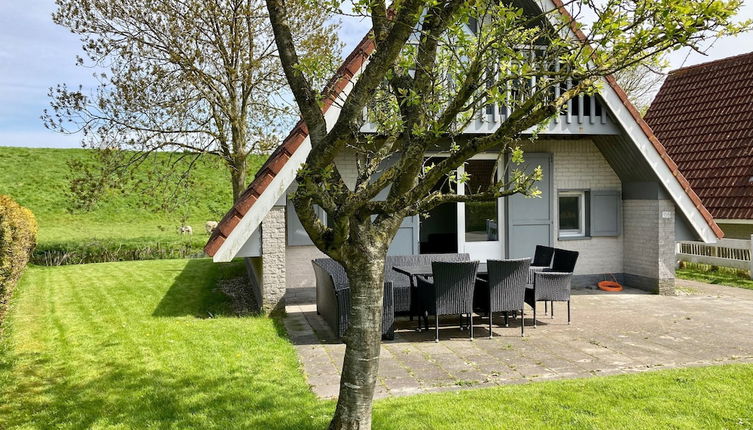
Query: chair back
x: 331, y: 268
x: 453, y: 286
x: 402, y: 280
x: 543, y: 256
x: 507, y: 283
x: 564, y: 260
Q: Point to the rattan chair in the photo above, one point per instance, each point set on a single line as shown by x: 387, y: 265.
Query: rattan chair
x: 504, y: 291
x: 542, y: 260
x: 450, y: 292
x: 403, y: 291
x: 553, y: 284
x: 333, y: 298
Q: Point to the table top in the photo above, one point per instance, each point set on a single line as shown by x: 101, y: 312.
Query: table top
x: 425, y: 270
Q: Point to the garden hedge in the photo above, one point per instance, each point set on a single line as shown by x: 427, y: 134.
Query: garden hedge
x: 18, y: 235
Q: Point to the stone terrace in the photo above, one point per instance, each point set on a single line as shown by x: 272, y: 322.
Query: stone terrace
x: 611, y: 333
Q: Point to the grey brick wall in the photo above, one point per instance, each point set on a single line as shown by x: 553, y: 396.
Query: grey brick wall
x: 649, y: 244
x: 273, y: 281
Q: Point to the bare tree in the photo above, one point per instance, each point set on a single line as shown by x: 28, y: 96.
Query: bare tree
x: 199, y: 77
x: 641, y: 82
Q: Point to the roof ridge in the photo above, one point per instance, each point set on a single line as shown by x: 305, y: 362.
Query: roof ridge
x: 710, y: 63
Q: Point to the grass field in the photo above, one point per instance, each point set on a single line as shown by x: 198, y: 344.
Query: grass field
x: 39, y: 180
x: 715, y: 275
x: 129, y: 345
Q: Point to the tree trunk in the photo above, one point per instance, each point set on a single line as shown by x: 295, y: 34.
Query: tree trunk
x: 365, y: 269
x: 238, y: 178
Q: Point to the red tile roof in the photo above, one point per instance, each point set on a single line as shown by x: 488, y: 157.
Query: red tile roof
x: 349, y: 68
x: 703, y: 115
x: 280, y: 156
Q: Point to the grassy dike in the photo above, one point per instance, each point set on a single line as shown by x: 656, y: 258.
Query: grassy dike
x: 120, y: 226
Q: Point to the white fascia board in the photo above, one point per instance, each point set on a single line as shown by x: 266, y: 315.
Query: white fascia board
x: 278, y: 186
x: 639, y: 138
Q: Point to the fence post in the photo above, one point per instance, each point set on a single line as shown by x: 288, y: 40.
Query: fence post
x: 750, y: 258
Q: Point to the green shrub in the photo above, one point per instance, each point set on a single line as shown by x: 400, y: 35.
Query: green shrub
x: 105, y: 251
x: 18, y: 235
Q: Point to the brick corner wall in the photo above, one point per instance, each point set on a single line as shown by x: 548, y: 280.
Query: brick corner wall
x: 273, y: 283
x: 649, y: 229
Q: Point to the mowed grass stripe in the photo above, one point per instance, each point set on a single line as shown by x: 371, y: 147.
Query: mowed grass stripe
x: 148, y: 361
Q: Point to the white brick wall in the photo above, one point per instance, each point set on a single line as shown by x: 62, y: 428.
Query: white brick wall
x: 578, y: 164
x: 641, y: 229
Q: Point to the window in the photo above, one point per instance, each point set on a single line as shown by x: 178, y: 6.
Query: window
x: 481, y: 223
x: 572, y: 213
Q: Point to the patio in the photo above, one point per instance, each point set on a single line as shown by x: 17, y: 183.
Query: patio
x: 611, y: 333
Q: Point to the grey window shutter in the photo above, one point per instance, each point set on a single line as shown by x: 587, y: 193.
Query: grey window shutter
x: 605, y: 212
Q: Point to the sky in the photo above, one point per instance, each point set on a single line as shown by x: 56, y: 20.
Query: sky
x: 36, y: 54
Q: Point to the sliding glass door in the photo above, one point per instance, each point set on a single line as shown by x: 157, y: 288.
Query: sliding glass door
x: 480, y: 223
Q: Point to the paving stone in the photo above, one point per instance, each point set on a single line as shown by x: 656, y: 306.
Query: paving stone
x: 629, y: 332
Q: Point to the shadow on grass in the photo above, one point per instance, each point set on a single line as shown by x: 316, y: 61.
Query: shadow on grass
x: 127, y: 396
x: 194, y: 292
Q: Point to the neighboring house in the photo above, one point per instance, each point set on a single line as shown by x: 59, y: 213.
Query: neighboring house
x: 610, y: 191
x: 703, y: 115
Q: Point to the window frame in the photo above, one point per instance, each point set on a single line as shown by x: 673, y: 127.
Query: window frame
x: 581, y: 232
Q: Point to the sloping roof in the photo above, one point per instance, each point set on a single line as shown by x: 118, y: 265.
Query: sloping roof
x: 703, y: 115
x: 282, y: 154
x: 349, y: 69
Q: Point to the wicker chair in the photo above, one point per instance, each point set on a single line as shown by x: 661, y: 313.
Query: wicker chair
x: 553, y: 284
x: 449, y: 293
x: 505, y: 289
x: 404, y: 294
x: 333, y: 298
x: 542, y: 259
x: 564, y: 261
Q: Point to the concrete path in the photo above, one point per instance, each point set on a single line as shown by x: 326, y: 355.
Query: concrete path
x: 611, y: 333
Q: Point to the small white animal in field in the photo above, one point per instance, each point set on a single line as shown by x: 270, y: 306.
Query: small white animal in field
x: 210, y: 226
x: 185, y: 229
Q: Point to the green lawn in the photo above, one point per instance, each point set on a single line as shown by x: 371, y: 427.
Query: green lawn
x: 38, y: 178
x: 715, y: 275
x: 129, y: 345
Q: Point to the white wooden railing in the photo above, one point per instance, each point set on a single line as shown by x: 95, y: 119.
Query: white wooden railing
x: 735, y: 253
x: 584, y: 114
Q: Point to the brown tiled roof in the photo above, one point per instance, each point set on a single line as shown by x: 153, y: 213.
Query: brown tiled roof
x: 703, y: 115
x: 282, y: 154
x: 350, y: 67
